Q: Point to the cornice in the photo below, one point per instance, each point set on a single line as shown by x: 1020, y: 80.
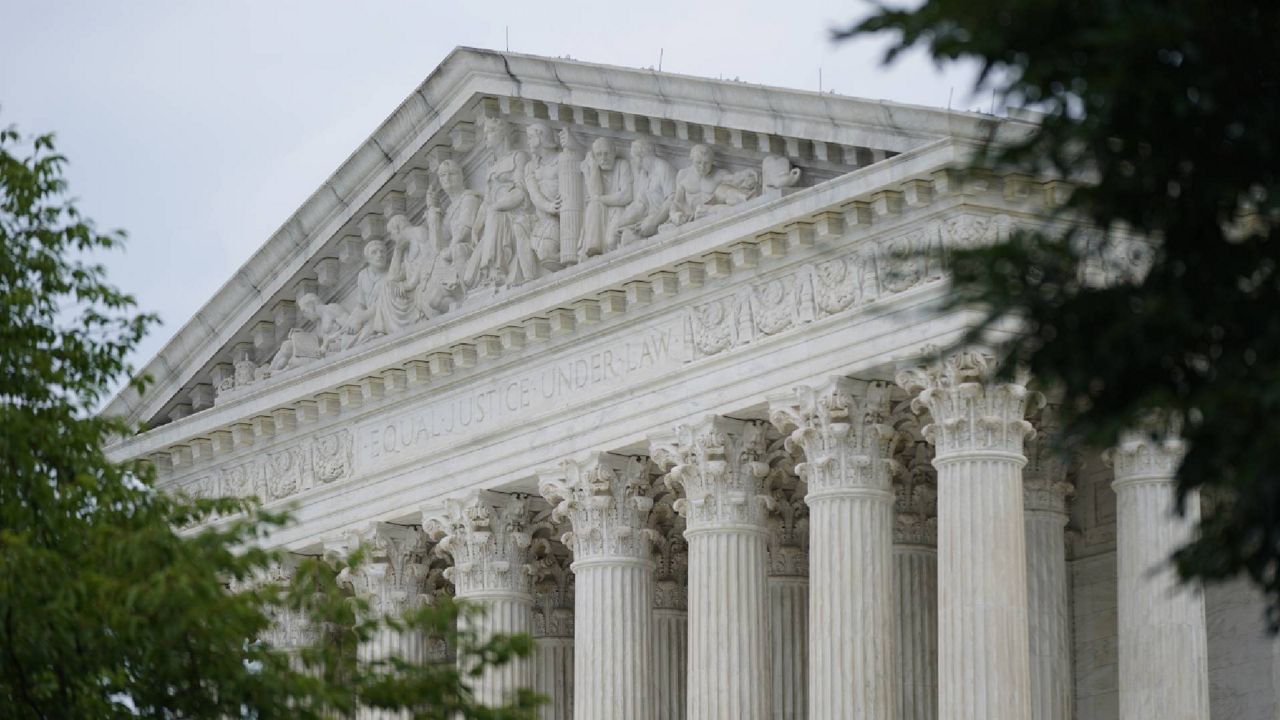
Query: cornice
x: 423, y: 120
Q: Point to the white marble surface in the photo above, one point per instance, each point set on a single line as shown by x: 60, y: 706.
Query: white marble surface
x: 746, y: 294
x: 1164, y: 656
x: 716, y: 464
x: 978, y: 431
x: 854, y: 654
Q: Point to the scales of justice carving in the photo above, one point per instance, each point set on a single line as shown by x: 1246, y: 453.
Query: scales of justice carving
x: 544, y: 205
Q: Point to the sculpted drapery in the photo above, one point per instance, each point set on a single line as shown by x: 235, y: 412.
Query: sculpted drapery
x: 554, y: 203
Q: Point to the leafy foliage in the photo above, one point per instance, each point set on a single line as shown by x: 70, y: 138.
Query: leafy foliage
x: 1167, y: 113
x: 120, y: 601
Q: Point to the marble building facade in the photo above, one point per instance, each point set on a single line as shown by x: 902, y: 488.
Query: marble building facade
x: 633, y: 359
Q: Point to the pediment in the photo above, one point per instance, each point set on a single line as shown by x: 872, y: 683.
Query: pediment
x: 499, y: 174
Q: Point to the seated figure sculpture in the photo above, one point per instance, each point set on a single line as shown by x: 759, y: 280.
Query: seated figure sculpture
x: 703, y: 190
x: 653, y: 182
x: 302, y: 346
x: 609, y: 191
x: 437, y: 286
x: 419, y: 251
x: 382, y: 306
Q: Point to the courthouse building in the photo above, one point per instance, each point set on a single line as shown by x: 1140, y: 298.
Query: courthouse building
x: 643, y: 363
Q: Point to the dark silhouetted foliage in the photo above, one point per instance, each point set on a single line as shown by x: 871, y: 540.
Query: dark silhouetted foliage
x: 1167, y: 114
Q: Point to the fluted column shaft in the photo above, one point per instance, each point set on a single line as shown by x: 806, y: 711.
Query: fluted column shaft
x: 853, y: 653
x: 487, y: 534
x: 603, y: 497
x: 505, y: 613
x: 978, y: 430
x: 613, y: 658
x: 984, y: 653
x: 789, y: 626
x: 729, y: 652
x: 717, y: 464
x: 387, y: 643
x: 671, y: 655
x: 789, y: 596
x: 916, y: 578
x: 1163, y: 646
x: 553, y: 677
x: 1048, y: 598
x: 392, y: 584
x: 670, y: 612
x: 553, y: 631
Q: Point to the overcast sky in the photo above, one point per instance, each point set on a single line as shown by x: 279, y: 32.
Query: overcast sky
x: 198, y: 127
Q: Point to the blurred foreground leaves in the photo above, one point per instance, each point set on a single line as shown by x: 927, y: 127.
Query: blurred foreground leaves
x: 120, y: 601
x: 1165, y: 114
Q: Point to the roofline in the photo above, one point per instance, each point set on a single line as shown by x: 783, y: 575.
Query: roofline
x: 466, y: 72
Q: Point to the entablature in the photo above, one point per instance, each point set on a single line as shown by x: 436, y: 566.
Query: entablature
x: 662, y: 317
x: 767, y: 142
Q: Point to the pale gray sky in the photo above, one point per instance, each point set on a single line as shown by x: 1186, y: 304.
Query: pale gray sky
x: 199, y: 127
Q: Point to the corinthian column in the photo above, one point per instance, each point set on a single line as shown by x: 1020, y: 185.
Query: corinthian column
x: 915, y: 561
x: 670, y: 610
x: 853, y: 656
x: 553, y: 631
x: 1045, y: 491
x: 717, y: 463
x: 977, y: 431
x: 789, y: 597
x: 1163, y: 648
x: 391, y: 583
x: 604, y: 499
x: 487, y: 535
x: 290, y: 631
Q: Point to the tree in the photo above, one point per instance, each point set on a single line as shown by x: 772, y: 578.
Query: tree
x: 118, y: 600
x: 1167, y: 113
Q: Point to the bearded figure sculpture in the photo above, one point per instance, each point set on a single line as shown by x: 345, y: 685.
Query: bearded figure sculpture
x: 608, y: 184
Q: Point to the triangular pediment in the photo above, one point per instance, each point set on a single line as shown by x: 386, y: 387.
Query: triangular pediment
x: 390, y: 245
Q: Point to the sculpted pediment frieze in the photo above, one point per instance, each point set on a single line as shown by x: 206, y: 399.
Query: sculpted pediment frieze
x: 515, y: 197
x: 502, y: 174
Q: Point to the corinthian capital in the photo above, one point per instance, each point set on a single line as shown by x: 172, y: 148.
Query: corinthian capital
x: 605, y: 499
x: 916, y: 498
x: 552, y: 592
x: 972, y: 412
x: 840, y: 428
x: 487, y: 535
x: 1146, y: 455
x: 717, y: 462
x: 789, y: 533
x: 393, y: 577
x: 670, y: 554
x: 1045, y: 486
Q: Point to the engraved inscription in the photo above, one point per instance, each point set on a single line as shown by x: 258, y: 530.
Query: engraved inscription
x: 516, y: 397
